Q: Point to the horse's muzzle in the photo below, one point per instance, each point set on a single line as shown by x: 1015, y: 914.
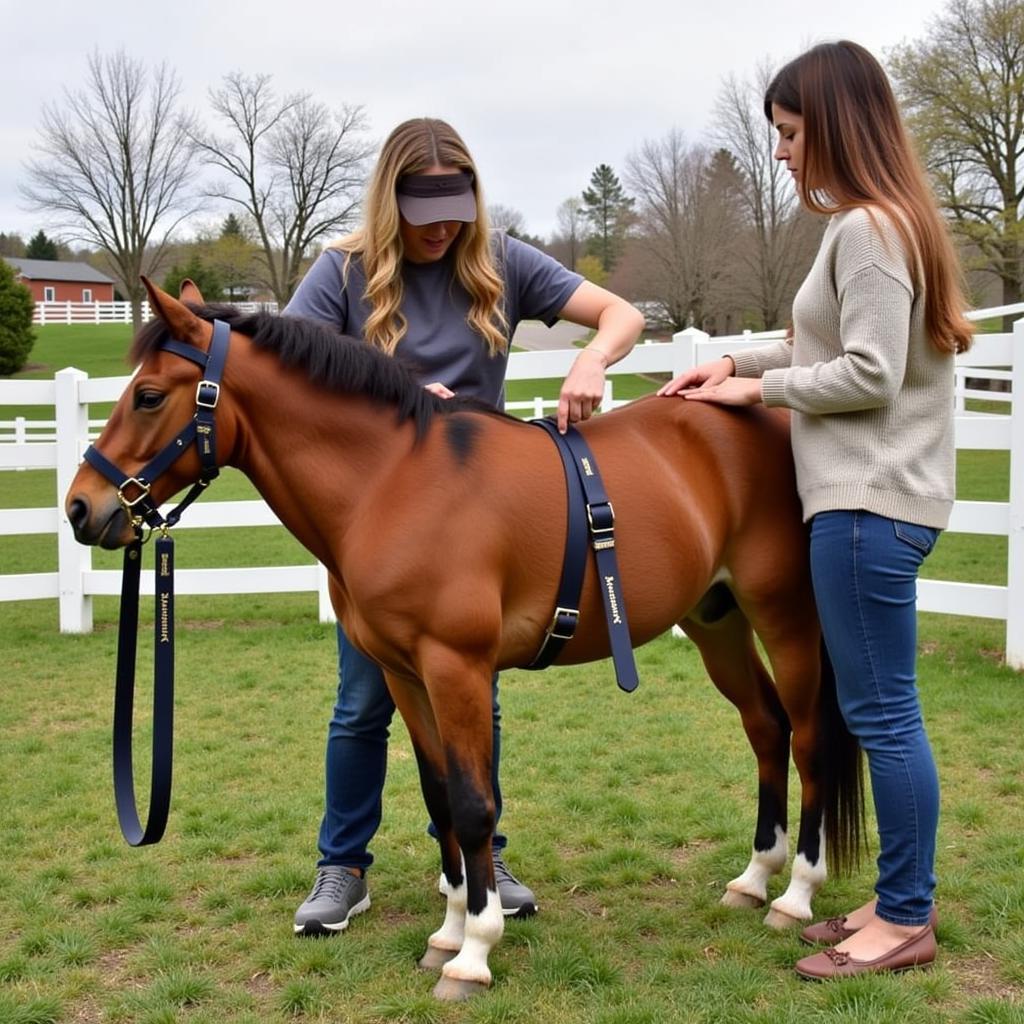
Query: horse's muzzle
x: 111, y: 531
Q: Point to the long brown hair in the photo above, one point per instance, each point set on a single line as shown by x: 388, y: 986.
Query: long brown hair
x: 411, y: 148
x: 857, y: 153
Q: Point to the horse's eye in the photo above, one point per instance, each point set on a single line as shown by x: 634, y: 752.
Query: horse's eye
x: 148, y: 399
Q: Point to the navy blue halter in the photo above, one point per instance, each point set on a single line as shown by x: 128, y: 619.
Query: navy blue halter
x: 133, y: 492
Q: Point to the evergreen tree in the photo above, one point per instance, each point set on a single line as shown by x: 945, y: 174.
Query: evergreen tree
x: 205, y: 278
x: 16, y: 335
x: 41, y: 248
x: 609, y: 211
x: 232, y: 228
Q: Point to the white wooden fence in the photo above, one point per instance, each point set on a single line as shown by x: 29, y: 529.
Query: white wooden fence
x: 75, y: 582
x: 111, y: 312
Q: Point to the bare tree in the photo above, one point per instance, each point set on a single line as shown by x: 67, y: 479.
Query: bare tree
x: 776, y: 254
x: 572, y: 222
x: 688, y: 221
x: 506, y: 218
x: 116, y: 165
x: 295, y: 167
x: 963, y: 88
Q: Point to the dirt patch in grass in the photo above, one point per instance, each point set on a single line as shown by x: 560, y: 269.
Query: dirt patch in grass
x: 978, y: 977
x: 87, y: 1012
x: 682, y: 855
x: 260, y: 985
x: 111, y: 966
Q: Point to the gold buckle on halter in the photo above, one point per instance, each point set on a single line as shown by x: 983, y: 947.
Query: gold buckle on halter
x: 129, y: 503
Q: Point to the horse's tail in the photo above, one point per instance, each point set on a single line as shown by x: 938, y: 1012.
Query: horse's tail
x: 843, y: 777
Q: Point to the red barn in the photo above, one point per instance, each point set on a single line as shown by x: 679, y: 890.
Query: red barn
x: 62, y: 280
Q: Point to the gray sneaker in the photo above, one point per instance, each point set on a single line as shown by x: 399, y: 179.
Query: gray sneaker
x: 337, y: 895
x: 517, y: 900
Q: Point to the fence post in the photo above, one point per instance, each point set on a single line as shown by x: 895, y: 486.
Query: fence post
x: 324, y: 607
x: 682, y: 352
x: 20, y: 434
x: 1015, y: 553
x: 73, y: 559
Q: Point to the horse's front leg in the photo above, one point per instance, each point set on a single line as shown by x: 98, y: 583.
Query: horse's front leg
x: 460, y: 691
x: 412, y: 701
x: 452, y: 735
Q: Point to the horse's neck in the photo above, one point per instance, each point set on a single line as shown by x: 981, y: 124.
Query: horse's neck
x: 312, y: 454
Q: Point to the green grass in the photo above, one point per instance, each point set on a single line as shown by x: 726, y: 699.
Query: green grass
x: 99, y: 349
x: 627, y: 815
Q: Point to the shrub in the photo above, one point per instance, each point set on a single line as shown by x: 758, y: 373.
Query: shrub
x: 16, y: 335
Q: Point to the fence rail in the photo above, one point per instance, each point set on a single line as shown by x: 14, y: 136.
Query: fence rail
x: 111, y: 312
x: 75, y: 582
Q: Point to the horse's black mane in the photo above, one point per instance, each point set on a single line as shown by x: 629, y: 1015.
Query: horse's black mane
x: 334, y: 360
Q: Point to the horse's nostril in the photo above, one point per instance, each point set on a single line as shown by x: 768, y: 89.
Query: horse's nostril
x: 78, y: 513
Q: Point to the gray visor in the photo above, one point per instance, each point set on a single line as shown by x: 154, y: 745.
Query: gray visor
x: 429, y: 198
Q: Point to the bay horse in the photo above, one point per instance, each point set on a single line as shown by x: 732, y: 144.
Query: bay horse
x: 442, y: 527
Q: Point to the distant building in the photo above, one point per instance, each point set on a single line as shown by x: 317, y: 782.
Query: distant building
x: 62, y: 280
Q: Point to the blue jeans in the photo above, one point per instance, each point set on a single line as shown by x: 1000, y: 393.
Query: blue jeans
x: 864, y: 568
x: 357, y: 758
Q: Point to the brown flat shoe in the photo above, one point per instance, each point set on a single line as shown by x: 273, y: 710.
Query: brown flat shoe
x: 834, y: 930
x: 917, y: 951
x: 827, y: 933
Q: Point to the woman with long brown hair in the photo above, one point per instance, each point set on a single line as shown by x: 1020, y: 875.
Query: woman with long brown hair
x: 868, y: 373
x: 425, y: 280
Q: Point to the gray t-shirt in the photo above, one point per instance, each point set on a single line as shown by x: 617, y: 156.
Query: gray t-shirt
x: 439, y: 344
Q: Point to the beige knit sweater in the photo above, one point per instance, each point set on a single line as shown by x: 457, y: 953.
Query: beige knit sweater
x: 872, y: 397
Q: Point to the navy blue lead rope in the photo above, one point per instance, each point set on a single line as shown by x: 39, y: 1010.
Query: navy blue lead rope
x: 134, y: 494
x: 587, y: 504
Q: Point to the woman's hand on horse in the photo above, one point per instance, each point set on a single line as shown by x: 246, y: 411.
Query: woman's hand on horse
x: 437, y: 388
x: 703, y: 376
x: 731, y: 391
x: 583, y: 388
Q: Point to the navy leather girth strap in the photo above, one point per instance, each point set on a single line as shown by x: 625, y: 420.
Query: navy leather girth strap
x: 134, y: 494
x: 590, y: 515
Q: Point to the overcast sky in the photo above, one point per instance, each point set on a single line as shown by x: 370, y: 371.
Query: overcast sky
x: 541, y: 90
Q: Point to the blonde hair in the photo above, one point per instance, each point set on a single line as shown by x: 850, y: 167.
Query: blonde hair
x: 857, y: 153
x: 412, y: 148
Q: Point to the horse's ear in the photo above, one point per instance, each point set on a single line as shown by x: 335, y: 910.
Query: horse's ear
x: 182, y: 322
x: 189, y: 292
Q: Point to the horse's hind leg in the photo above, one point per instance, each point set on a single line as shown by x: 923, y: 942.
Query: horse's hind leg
x: 725, y: 640
x: 797, y: 669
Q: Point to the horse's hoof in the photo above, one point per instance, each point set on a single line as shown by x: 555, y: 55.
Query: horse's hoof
x: 779, y: 921
x: 455, y: 990
x: 434, y: 959
x: 741, y: 900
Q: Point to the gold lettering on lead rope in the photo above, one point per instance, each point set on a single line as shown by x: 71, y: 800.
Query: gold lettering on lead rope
x: 164, y: 567
x: 165, y: 630
x: 609, y: 582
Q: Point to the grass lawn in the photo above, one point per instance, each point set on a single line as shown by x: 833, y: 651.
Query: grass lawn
x: 626, y: 814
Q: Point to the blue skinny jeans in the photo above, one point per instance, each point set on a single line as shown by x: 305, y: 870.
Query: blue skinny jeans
x: 865, y: 568
x: 357, y: 758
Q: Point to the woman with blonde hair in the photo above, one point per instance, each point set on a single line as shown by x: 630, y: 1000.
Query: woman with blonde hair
x: 425, y: 280
x: 868, y: 373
